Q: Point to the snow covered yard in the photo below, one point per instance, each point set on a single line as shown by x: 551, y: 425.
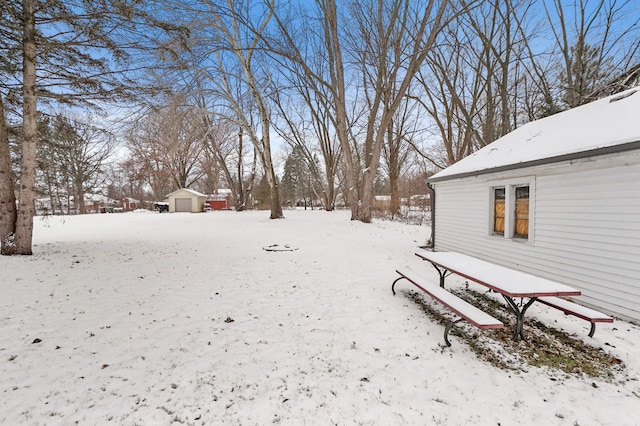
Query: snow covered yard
x: 159, y: 319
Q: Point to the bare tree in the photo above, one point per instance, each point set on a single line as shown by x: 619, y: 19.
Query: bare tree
x: 180, y: 137
x: 306, y: 127
x: 397, y: 149
x: 228, y: 66
x: 167, y: 143
x: 229, y: 152
x: 322, y: 69
x: 146, y: 159
x: 389, y: 58
x: 124, y: 179
x: 471, y: 79
x: 387, y: 42
x: 595, y: 44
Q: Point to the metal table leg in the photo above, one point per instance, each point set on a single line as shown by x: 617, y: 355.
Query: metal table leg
x: 442, y: 272
x: 448, y: 328
x: 519, y: 309
x: 394, y: 284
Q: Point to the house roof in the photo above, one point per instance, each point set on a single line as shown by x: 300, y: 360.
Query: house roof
x: 191, y: 191
x: 608, y: 125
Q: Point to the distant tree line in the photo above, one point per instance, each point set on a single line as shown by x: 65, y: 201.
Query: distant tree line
x: 361, y: 95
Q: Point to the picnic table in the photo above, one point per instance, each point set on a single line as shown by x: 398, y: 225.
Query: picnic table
x: 519, y: 289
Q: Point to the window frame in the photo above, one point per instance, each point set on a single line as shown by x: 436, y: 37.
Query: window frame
x: 510, y: 186
x: 515, y: 211
x: 493, y: 212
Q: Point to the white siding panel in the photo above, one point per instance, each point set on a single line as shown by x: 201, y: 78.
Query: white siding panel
x: 622, y: 233
x: 586, y: 229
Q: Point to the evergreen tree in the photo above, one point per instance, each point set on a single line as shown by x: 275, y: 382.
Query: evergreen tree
x: 71, y: 159
x: 63, y: 52
x: 299, y: 185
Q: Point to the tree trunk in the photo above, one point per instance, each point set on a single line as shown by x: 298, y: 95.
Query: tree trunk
x: 7, y: 191
x: 276, y: 207
x: 395, y: 191
x: 241, y: 201
x: 328, y: 196
x: 394, y: 147
x: 82, y: 208
x: 272, y: 178
x: 364, y: 211
x: 26, y: 206
x: 365, y: 206
x: 336, y: 66
x: 247, y: 188
x: 267, y: 159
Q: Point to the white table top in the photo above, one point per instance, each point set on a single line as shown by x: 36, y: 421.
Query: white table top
x: 510, y: 282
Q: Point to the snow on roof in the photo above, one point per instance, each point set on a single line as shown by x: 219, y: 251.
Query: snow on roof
x: 607, y: 122
x: 196, y: 193
x: 216, y: 197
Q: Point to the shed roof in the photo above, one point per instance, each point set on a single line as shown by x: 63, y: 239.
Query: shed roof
x: 607, y: 125
x: 191, y: 191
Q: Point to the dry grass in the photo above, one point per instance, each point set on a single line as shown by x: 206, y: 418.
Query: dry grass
x: 544, y: 346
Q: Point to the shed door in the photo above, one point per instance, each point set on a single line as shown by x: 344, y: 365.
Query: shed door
x: 183, y: 205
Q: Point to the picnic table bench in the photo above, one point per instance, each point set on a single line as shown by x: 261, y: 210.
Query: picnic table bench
x: 571, y: 308
x: 460, y: 307
x: 512, y: 285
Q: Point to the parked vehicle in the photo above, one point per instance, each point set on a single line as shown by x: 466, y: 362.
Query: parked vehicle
x: 161, y: 207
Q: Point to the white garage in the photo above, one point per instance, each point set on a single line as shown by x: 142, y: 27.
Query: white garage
x: 186, y: 201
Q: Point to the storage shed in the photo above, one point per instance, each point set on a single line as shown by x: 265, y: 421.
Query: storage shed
x: 559, y: 198
x: 129, y: 203
x: 218, y: 202
x: 186, y: 200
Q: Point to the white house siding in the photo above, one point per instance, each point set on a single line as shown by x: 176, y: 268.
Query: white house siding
x: 586, y: 228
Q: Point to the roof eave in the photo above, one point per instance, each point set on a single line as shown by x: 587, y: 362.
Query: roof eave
x: 614, y: 149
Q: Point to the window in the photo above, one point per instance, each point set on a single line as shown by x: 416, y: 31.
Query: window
x: 498, y: 210
x: 511, y: 209
x: 521, y: 229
